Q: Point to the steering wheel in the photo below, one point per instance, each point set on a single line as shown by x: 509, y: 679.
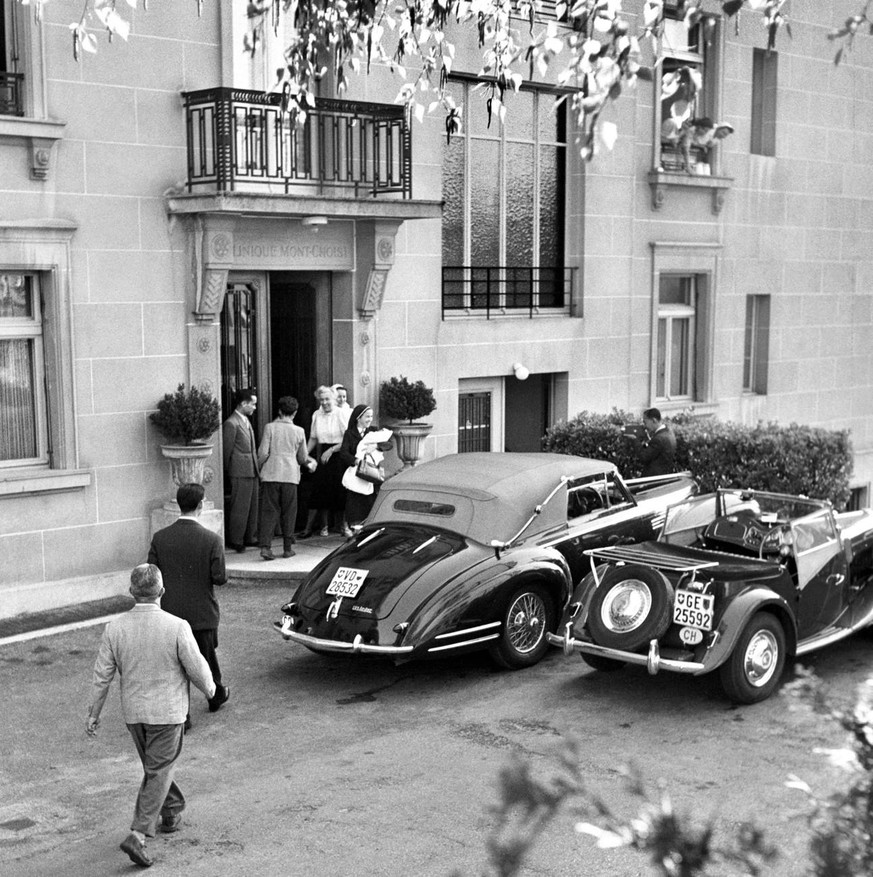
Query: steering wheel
x: 771, y: 543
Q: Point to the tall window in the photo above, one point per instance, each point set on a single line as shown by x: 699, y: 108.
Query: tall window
x: 11, y: 79
x: 504, y: 214
x: 23, y: 434
x: 687, y: 85
x: 756, y: 349
x: 677, y: 335
x: 764, y: 68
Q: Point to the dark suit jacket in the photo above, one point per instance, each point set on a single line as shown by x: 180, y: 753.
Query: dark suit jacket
x: 191, y: 560
x: 659, y: 454
x: 240, y: 454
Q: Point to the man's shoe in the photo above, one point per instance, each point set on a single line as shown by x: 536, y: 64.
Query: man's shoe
x: 324, y: 532
x: 170, y: 824
x: 288, y: 552
x: 220, y: 698
x: 136, y: 850
x: 239, y: 549
x: 267, y: 554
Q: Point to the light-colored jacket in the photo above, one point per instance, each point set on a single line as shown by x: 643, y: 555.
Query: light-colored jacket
x: 155, y: 655
x: 282, y: 452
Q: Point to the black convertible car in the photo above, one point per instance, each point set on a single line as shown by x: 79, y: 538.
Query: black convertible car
x: 738, y: 582
x: 472, y: 551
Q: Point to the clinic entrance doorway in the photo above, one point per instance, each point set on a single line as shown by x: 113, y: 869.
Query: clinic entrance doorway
x: 276, y: 339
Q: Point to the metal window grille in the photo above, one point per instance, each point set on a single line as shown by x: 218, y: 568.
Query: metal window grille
x: 474, y: 422
x: 498, y: 290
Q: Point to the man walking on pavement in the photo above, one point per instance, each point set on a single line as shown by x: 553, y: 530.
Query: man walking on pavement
x: 241, y: 468
x: 155, y: 656
x: 191, y: 560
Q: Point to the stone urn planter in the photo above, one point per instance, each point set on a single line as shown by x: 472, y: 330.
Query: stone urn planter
x: 410, y: 441
x: 403, y: 400
x: 187, y: 419
x: 188, y: 462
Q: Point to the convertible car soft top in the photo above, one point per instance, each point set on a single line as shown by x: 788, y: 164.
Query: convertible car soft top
x: 477, y: 494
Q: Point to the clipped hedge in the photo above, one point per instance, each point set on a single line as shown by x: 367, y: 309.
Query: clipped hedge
x: 785, y: 459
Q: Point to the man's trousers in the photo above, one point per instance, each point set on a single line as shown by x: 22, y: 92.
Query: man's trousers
x: 158, y: 746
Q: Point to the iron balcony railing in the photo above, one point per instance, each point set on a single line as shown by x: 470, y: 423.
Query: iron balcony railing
x: 237, y: 138
x: 11, y: 88
x: 497, y: 290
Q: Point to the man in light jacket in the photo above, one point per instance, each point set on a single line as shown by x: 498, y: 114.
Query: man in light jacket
x: 155, y: 655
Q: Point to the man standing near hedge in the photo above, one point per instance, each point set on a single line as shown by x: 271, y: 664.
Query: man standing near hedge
x: 658, y: 454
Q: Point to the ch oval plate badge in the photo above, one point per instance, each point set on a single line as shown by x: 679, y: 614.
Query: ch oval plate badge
x: 691, y: 636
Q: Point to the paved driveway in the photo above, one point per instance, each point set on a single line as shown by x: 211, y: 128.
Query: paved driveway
x: 337, y: 766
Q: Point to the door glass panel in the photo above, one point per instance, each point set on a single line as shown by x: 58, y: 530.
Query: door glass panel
x: 238, y: 343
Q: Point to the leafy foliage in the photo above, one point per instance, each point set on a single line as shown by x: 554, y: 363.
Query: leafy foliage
x: 187, y: 417
x: 785, y: 459
x: 401, y: 399
x: 841, y: 844
x: 597, y: 54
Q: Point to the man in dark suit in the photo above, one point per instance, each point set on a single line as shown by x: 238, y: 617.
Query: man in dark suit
x: 191, y: 560
x: 241, y: 469
x: 155, y: 657
x: 658, y: 453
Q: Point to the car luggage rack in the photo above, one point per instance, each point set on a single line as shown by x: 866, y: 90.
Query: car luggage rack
x: 639, y: 554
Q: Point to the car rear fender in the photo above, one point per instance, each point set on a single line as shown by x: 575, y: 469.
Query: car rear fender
x: 483, y: 598
x: 737, y: 616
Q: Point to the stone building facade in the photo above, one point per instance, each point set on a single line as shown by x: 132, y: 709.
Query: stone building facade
x: 160, y: 224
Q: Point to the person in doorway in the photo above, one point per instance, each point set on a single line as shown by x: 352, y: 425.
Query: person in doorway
x: 658, y: 451
x: 241, y: 468
x: 191, y: 560
x: 360, y: 438
x: 281, y: 456
x: 325, y: 436
x: 342, y: 397
x: 156, y: 657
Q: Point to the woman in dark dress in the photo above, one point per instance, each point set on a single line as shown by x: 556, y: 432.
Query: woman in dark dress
x: 327, y: 495
x: 358, y: 505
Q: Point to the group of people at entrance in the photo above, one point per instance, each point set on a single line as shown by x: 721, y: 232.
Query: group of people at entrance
x: 264, y: 478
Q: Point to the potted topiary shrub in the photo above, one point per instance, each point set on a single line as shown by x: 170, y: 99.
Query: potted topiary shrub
x: 403, y: 400
x: 187, y: 419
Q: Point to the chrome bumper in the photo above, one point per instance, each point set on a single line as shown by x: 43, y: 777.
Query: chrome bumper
x: 356, y: 647
x: 652, y: 661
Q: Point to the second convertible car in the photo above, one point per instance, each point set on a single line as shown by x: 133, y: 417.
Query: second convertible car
x: 473, y: 551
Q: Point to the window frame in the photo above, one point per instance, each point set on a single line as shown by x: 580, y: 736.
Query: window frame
x: 765, y: 89
x: 43, y: 248
x: 498, y: 133
x: 700, y: 261
x: 31, y: 328
x: 756, y: 344
x: 709, y: 98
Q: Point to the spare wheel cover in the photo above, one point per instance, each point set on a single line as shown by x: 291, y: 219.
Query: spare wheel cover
x: 632, y: 605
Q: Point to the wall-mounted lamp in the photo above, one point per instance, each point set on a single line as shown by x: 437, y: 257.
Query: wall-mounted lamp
x: 521, y: 372
x: 314, y: 223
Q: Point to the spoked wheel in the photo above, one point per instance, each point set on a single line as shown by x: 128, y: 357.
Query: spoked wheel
x: 754, y: 669
x: 528, y: 617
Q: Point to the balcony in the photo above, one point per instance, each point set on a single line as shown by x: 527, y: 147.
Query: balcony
x: 11, y: 86
x: 243, y: 140
x: 505, y: 291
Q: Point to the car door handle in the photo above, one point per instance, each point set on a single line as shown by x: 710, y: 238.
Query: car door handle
x: 836, y: 579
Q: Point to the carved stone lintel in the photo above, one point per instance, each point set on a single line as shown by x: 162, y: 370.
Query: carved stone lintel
x: 376, y: 280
